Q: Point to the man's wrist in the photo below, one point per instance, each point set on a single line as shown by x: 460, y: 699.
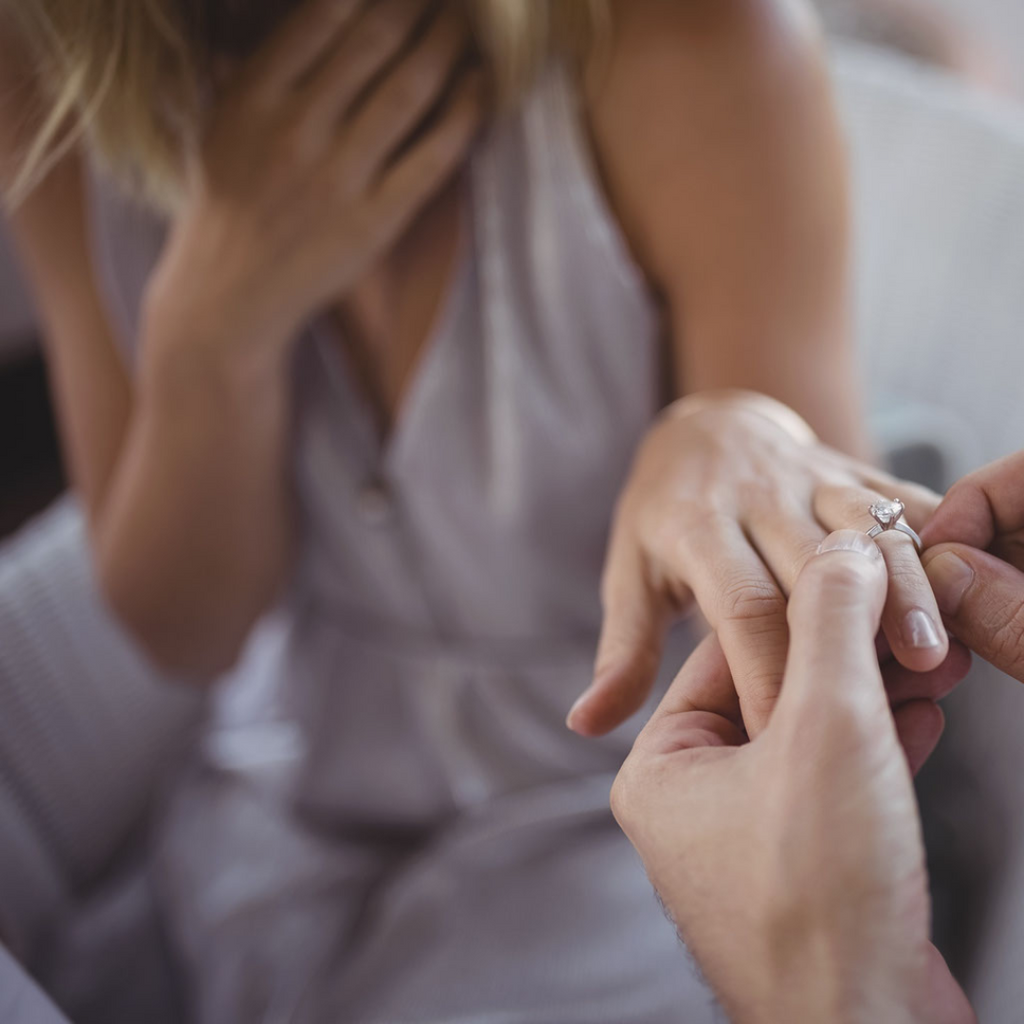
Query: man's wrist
x: 781, y: 971
x: 809, y: 983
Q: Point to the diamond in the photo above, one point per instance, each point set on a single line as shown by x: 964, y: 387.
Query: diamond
x: 887, y: 513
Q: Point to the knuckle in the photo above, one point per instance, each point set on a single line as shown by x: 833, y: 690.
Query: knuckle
x: 853, y: 499
x: 759, y: 697
x: 756, y: 494
x: 750, y: 599
x: 678, y: 537
x: 907, y: 575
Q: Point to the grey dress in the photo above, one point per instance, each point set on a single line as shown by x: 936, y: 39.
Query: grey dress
x: 386, y: 820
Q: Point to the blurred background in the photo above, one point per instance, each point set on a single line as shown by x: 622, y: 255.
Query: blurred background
x: 932, y: 93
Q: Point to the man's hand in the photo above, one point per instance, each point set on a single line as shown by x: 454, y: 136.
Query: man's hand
x: 975, y: 562
x: 793, y: 864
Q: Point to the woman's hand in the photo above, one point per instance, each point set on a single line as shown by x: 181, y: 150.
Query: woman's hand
x: 319, y: 152
x: 322, y: 150
x: 807, y: 840
x: 729, y: 497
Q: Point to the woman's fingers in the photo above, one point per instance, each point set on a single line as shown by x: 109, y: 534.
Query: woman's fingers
x: 432, y: 161
x: 299, y: 44
x: 911, y: 620
x: 632, y: 638
x: 743, y: 604
x: 919, y: 725
x: 371, y: 43
x: 738, y: 596
x: 920, y: 502
x: 902, y: 684
x: 409, y: 92
x: 913, y: 696
x: 786, y: 539
x: 699, y: 709
x: 704, y: 683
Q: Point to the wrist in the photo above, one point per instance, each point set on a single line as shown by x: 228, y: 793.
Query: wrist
x: 184, y: 367
x: 200, y: 296
x: 763, y: 406
x: 192, y: 341
x: 809, y: 977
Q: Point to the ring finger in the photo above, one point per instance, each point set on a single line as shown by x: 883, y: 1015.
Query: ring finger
x: 786, y: 539
x: 911, y: 620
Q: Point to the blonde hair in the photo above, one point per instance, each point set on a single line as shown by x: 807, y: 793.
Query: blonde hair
x: 129, y: 76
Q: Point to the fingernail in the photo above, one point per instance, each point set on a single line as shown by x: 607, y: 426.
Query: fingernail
x: 920, y: 631
x: 950, y: 576
x: 570, y: 719
x: 850, y: 540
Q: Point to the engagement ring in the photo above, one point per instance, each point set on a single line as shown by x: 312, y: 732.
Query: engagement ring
x: 887, y: 515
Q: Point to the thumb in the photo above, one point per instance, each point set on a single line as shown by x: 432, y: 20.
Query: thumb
x: 981, y: 599
x: 629, y: 651
x: 834, y: 615
x: 981, y: 507
x: 965, y: 516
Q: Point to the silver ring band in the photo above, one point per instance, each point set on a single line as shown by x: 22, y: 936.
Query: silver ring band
x: 877, y: 531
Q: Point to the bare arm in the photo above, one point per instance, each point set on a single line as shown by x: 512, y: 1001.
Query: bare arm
x: 184, y: 469
x: 186, y: 501
x: 50, y: 232
x: 716, y: 130
x: 303, y: 179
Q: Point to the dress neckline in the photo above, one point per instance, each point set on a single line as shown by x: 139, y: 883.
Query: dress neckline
x: 382, y: 448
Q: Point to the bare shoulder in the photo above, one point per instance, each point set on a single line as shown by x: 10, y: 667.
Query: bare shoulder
x: 691, y: 52
x: 690, y: 89
x: 674, y: 29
